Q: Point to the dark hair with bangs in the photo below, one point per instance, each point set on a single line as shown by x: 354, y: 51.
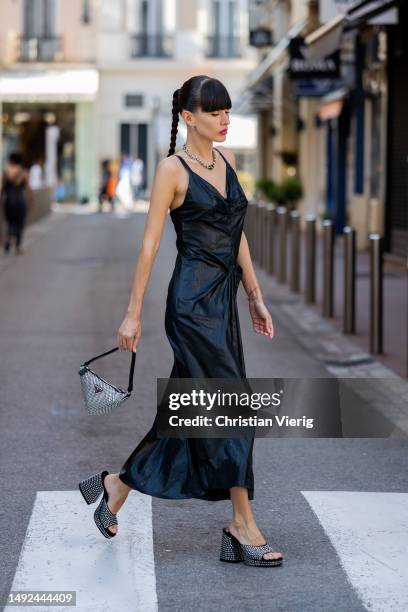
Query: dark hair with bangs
x: 199, y: 91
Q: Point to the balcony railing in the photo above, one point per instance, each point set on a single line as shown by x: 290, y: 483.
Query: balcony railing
x: 39, y: 48
x: 223, y: 46
x: 151, y: 45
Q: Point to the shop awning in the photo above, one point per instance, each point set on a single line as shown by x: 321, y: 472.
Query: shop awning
x: 69, y: 85
x: 326, y: 39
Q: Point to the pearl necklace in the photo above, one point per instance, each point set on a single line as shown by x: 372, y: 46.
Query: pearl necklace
x: 209, y: 166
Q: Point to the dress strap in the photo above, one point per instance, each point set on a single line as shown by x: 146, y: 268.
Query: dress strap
x: 226, y: 161
x: 183, y: 162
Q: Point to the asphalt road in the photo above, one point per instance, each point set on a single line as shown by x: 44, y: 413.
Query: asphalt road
x: 62, y: 302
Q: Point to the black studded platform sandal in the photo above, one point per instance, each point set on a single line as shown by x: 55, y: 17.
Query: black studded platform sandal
x: 233, y: 551
x: 103, y: 517
x: 91, y: 488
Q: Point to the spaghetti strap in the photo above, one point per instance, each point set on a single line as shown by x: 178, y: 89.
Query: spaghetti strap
x: 184, y: 162
x: 226, y: 161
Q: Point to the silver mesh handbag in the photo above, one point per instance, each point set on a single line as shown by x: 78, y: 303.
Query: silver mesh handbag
x: 100, y: 396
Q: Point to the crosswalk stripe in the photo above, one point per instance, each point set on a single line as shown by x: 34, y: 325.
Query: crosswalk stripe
x: 63, y: 550
x: 369, y: 531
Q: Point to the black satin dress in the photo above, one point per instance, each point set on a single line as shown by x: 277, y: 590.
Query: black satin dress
x: 202, y: 326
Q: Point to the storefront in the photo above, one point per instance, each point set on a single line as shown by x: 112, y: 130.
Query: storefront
x: 49, y: 117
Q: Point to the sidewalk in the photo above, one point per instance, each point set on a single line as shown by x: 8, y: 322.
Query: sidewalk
x: 395, y: 284
x: 371, y: 379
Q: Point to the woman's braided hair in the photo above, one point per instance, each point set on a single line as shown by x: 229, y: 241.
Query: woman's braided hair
x: 174, y: 123
x: 198, y: 91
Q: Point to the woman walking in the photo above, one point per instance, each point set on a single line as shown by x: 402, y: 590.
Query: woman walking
x: 14, y: 199
x: 207, y: 207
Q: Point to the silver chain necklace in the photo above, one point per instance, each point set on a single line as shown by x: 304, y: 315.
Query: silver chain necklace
x: 209, y: 166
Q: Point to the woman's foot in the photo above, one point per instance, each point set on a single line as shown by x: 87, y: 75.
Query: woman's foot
x: 117, y: 494
x: 248, y: 533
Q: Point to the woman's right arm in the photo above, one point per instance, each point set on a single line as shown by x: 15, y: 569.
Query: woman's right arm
x: 162, y: 194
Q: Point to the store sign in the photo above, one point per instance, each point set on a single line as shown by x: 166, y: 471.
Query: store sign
x: 301, y: 66
x: 329, y: 9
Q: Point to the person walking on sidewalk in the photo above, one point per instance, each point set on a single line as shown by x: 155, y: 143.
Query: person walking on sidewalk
x: 207, y: 207
x: 15, y: 197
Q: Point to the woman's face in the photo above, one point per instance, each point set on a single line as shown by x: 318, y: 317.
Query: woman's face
x: 212, y: 125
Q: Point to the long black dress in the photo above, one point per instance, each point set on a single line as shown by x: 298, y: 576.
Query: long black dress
x: 203, y: 329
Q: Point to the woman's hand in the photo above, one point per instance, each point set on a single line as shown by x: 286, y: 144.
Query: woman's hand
x: 261, y: 319
x: 129, y: 333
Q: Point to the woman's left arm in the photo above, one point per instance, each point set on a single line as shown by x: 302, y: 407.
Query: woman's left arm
x: 261, y: 318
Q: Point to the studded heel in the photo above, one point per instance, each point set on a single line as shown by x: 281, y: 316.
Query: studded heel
x: 103, y: 517
x: 91, y: 488
x: 230, y: 551
x: 233, y: 551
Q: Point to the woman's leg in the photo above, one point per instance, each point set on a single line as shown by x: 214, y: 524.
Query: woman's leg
x: 7, y: 241
x: 243, y: 525
x: 19, y: 235
x: 117, y: 492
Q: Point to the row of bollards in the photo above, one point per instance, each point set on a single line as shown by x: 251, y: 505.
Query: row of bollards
x: 268, y: 227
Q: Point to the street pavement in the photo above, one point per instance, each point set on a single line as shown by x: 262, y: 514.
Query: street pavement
x: 336, y: 508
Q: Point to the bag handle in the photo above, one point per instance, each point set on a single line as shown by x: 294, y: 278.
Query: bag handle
x: 132, y: 364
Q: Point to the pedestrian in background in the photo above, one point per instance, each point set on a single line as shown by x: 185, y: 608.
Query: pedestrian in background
x: 36, y: 174
x: 108, y: 185
x: 136, y: 177
x: 124, y: 186
x: 16, y: 198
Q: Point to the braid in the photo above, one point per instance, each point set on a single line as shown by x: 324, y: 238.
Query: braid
x: 175, y: 120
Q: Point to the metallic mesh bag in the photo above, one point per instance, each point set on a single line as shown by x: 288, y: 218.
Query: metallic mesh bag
x: 100, y: 396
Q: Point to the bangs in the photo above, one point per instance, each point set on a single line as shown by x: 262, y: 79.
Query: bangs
x: 214, y: 96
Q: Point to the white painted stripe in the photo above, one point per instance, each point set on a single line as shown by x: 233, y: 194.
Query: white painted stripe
x: 370, y: 534
x: 64, y: 550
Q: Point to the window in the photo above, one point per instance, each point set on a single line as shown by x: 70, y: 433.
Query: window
x: 133, y: 100
x: 86, y: 12
x: 222, y: 41
x: 39, y: 41
x: 39, y: 18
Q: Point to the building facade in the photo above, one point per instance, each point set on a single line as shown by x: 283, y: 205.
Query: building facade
x: 334, y: 114
x: 86, y: 81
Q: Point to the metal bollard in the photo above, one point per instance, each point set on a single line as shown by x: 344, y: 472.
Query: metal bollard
x: 310, y: 259
x: 376, y: 293
x: 271, y: 208
x: 349, y: 287
x: 259, y: 217
x: 295, y: 250
x: 328, y: 268
x: 282, y: 228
